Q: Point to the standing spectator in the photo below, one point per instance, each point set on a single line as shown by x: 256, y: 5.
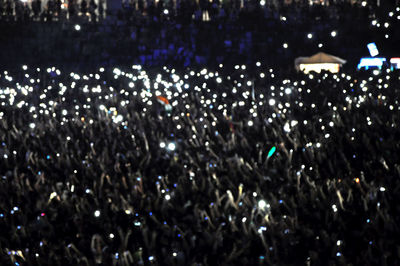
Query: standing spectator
x: 36, y: 8
x: 2, y: 9
x: 71, y: 8
x: 84, y: 7
x: 10, y: 10
x: 92, y: 10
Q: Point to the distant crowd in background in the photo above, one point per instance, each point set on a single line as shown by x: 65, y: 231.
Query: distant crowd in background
x: 180, y: 10
x: 187, y: 33
x: 51, y: 10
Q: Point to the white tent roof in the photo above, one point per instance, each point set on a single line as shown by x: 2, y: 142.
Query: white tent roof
x: 319, y: 58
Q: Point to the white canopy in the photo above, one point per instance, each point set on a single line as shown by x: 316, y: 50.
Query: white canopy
x: 319, y: 61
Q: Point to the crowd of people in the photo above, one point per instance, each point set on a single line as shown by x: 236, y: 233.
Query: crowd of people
x: 183, y: 11
x: 276, y: 36
x: 224, y: 156
x: 51, y: 10
x: 239, y: 165
x: 174, y: 36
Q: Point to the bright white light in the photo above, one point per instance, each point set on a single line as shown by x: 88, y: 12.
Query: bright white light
x: 77, y: 27
x: 285, y: 45
x: 382, y: 189
x: 166, y: 11
x: 162, y: 144
x: 262, y: 204
x: 250, y: 123
x: 171, y: 146
x: 116, y: 71
x: 286, y: 127
x: 309, y: 36
x: 320, y: 45
x: 167, y: 197
x: 117, y: 118
x: 262, y: 2
x: 53, y: 195
x: 32, y: 125
x: 333, y: 33
x: 288, y: 91
x: 272, y: 102
x: 97, y: 213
